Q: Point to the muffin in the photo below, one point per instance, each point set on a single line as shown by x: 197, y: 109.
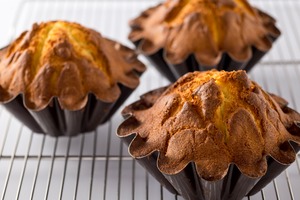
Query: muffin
x: 61, y: 78
x: 213, y: 134
x: 180, y: 36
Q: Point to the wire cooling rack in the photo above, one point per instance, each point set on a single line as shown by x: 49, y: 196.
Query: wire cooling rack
x: 96, y: 165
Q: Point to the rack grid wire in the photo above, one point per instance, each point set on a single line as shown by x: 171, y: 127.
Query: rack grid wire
x: 96, y: 165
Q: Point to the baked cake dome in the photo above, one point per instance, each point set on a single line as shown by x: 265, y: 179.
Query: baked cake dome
x: 61, y: 78
x: 212, y: 119
x: 68, y: 61
x: 204, y: 28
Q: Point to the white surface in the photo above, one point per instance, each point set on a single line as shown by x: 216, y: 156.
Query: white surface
x: 7, y: 15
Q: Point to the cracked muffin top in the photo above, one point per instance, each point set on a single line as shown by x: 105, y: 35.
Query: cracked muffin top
x: 205, y: 28
x: 213, y: 119
x: 68, y: 61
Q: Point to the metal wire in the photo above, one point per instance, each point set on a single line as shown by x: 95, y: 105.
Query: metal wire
x: 37, y: 169
x: 11, y: 163
x: 24, y: 167
x: 5, y: 136
x: 276, y: 190
x: 107, y: 161
x: 51, y: 169
x: 108, y: 157
x: 93, y: 164
x: 66, y: 158
x: 120, y: 170
x: 133, y: 179
x: 79, y: 167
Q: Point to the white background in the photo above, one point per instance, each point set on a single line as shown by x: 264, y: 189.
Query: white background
x: 7, y: 14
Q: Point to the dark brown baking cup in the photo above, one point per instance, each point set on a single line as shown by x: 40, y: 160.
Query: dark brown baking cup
x: 173, y: 71
x: 126, y: 92
x: 54, y: 121
x: 189, y: 65
x: 98, y: 112
x: 149, y: 163
x: 17, y: 109
x: 274, y: 169
x: 158, y: 61
x: 234, y: 186
x: 190, y: 185
x: 226, y: 63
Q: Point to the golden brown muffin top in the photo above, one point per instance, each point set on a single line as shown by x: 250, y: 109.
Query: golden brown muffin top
x: 213, y: 119
x: 65, y: 60
x: 205, y: 28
